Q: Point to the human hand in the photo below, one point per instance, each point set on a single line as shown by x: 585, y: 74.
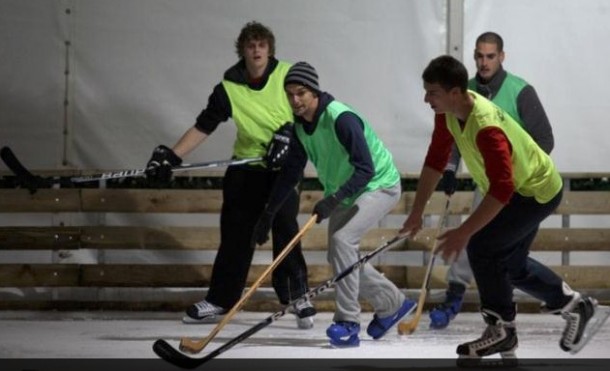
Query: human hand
x: 159, y: 167
x: 449, y: 182
x: 412, y: 225
x: 278, y: 148
x: 325, y: 207
x: 262, y: 228
x: 451, y: 243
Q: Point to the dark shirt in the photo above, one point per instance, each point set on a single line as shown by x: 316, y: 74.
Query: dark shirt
x: 530, y: 109
x: 350, y: 133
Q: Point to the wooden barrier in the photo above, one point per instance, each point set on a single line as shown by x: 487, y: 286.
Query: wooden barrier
x: 110, y: 285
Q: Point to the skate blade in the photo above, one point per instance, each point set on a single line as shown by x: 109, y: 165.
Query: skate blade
x: 602, y: 313
x: 203, y: 321
x: 486, y: 363
x: 305, y: 323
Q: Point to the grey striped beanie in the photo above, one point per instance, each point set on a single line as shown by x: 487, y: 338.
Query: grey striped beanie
x: 303, y: 73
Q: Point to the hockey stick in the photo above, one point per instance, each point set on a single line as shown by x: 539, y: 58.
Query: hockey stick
x: 183, y: 167
x: 171, y: 355
x: 23, y: 175
x: 196, y: 346
x: 408, y: 326
x: 34, y: 181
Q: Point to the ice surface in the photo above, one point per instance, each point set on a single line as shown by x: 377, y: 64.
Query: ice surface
x: 131, y: 335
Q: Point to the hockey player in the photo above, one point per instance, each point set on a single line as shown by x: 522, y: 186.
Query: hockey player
x: 520, y: 187
x: 517, y: 98
x: 252, y: 94
x: 361, y: 185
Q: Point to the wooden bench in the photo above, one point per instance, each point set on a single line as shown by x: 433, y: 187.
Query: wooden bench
x: 174, y: 279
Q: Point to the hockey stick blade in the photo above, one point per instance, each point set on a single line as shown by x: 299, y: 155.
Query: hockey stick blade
x: 134, y: 173
x: 24, y: 177
x: 195, y: 346
x: 164, y: 350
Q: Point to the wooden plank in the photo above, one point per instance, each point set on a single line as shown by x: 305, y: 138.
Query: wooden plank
x: 43, y: 200
x: 142, y: 275
x: 208, y: 238
x: 578, y: 277
x: 139, y: 275
x: 28, y: 238
x: 152, y: 200
x: 589, y: 202
x: 461, y: 202
x: 162, y: 238
x: 210, y: 201
x: 39, y: 275
x: 572, y: 239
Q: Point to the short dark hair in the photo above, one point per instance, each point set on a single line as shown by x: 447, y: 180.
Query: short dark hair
x: 254, y: 31
x: 491, y: 38
x: 448, y: 72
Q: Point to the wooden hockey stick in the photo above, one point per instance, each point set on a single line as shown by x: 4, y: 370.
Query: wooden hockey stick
x: 167, y: 352
x: 408, y: 326
x: 195, y: 346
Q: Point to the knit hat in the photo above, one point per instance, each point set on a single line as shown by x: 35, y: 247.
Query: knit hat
x: 303, y: 73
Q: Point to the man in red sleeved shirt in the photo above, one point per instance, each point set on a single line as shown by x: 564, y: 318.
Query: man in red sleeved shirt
x: 521, y: 187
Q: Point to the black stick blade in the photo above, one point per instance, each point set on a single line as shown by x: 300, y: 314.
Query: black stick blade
x: 165, y: 351
x: 23, y: 175
x: 14, y: 164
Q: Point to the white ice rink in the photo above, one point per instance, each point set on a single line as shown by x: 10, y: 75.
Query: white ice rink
x: 103, y: 335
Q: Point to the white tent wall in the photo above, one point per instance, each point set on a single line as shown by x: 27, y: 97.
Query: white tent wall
x: 140, y: 71
x: 31, y: 80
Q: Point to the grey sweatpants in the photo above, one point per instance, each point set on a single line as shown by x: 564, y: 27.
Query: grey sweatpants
x: 346, y: 227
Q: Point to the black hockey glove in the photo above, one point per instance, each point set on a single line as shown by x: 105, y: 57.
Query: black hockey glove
x: 325, y: 207
x: 277, y: 150
x: 262, y: 228
x: 449, y: 182
x: 159, y: 167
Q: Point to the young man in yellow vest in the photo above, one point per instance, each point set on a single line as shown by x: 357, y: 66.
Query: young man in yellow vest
x: 361, y: 185
x: 252, y: 94
x: 519, y: 99
x: 520, y: 187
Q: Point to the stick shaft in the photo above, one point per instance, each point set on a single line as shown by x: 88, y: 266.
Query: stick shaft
x: 408, y: 326
x: 196, y: 346
x: 13, y: 163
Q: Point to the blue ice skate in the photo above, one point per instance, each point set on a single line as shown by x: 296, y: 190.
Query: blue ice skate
x: 379, y: 326
x: 445, y: 312
x: 344, y: 334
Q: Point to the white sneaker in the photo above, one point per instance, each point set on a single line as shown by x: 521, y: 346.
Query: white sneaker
x: 304, y: 312
x: 204, y: 312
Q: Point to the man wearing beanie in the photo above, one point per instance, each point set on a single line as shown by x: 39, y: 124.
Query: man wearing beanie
x: 361, y: 185
x: 251, y: 93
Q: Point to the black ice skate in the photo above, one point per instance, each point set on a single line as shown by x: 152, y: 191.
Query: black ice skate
x: 584, y: 317
x: 499, y: 337
x: 304, y: 312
